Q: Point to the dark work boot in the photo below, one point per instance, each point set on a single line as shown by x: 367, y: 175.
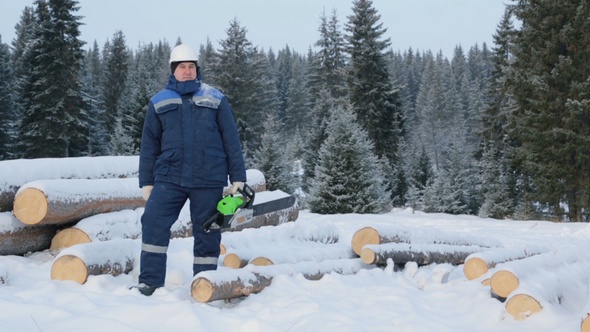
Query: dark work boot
x: 144, y: 289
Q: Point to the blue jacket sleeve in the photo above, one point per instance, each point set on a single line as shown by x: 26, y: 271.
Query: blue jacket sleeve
x: 150, y: 146
x: 231, y: 142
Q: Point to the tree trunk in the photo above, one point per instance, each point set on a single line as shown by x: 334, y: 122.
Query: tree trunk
x: 227, y: 284
x: 63, y: 201
x: 19, y: 239
x: 410, y: 234
x: 313, y: 253
x: 422, y: 254
x: 479, y: 263
x: 18, y: 172
x: 78, y: 262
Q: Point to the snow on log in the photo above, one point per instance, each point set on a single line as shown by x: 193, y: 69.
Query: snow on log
x: 124, y: 224
x: 509, y: 275
x: 78, y: 262
x: 312, y: 253
x: 408, y: 234
x: 19, y: 239
x: 227, y: 284
x: 478, y: 264
x: 256, y: 181
x: 422, y: 254
x: 16, y: 173
x: 63, y: 201
x: 550, y: 283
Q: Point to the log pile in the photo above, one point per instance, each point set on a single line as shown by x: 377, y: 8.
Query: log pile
x: 16, y: 173
x: 478, y: 264
x: 47, y: 209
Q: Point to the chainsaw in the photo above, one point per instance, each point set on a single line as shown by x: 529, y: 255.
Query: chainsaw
x: 237, y: 210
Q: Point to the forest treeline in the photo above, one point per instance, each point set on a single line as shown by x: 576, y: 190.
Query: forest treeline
x: 350, y: 126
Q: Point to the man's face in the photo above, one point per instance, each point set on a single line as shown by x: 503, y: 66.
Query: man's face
x: 186, y: 71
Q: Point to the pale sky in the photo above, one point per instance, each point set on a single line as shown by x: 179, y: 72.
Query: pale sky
x: 436, y: 25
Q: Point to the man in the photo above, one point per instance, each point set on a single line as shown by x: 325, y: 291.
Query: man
x: 189, y: 147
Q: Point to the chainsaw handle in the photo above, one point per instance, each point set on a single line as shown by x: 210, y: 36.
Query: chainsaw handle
x: 248, y: 194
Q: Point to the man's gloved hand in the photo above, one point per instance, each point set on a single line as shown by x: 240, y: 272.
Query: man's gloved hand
x: 146, y: 191
x: 235, y: 186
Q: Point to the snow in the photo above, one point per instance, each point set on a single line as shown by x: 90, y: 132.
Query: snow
x: 434, y: 297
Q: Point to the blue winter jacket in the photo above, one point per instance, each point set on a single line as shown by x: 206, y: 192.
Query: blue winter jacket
x: 190, y: 138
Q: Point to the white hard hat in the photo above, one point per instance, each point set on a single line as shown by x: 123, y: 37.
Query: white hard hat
x: 182, y: 53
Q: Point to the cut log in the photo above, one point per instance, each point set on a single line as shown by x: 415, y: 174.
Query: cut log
x: 222, y: 249
x: 408, y: 234
x: 480, y: 263
x: 227, y: 284
x: 19, y: 239
x: 18, y: 172
x: 522, y: 306
x: 123, y: 224
x: 232, y: 260
x: 79, y: 262
x: 503, y: 283
x: 542, y: 278
x: 422, y: 254
x: 63, y: 201
x: 314, y: 252
x: 585, y: 327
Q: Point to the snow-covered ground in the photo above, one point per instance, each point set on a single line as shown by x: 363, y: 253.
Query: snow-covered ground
x: 427, y: 298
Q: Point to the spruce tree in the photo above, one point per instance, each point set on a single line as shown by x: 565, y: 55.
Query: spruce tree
x: 115, y: 61
x: 7, y: 104
x: 55, y: 121
x: 272, y: 159
x: 549, y: 82
x: 376, y: 99
x: 348, y: 177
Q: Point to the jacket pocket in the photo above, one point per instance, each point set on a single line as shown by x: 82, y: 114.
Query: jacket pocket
x: 215, y: 167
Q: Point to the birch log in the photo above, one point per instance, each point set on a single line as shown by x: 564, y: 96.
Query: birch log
x: 78, y: 262
x: 227, y: 284
x: 422, y: 254
x: 19, y: 239
x: 478, y: 264
x: 409, y: 234
x: 18, y: 172
x: 63, y: 201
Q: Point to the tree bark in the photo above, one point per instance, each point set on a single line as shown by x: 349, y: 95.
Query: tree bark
x: 422, y: 254
x: 79, y: 262
x: 63, y: 201
x: 408, y: 234
x: 18, y: 172
x: 19, y: 239
x: 227, y: 284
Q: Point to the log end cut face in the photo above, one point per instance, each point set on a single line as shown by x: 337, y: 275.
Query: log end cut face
x: 69, y: 237
x: 261, y: 261
x: 475, y: 268
x: 232, y: 260
x: 522, y: 306
x: 503, y: 283
x: 201, y: 290
x: 30, y: 206
x: 69, y: 267
x: 586, y: 324
x: 368, y: 256
x: 364, y: 236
